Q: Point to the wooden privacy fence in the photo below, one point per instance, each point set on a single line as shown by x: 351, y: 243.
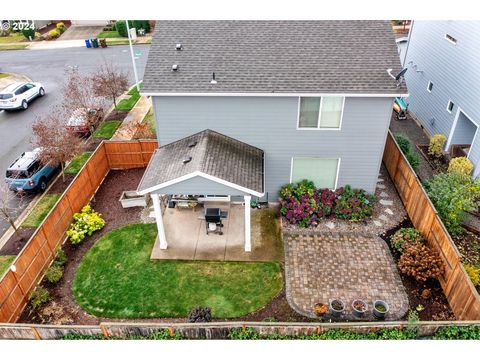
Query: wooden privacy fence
x: 219, y: 330
x: 459, y: 290
x: 40, y: 250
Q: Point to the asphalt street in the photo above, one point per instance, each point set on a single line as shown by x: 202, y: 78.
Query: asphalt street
x: 48, y: 67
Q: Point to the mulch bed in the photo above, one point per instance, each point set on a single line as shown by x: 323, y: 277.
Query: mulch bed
x: 438, y: 165
x: 436, y: 306
x: 60, y: 186
x: 117, y: 115
x: 16, y: 243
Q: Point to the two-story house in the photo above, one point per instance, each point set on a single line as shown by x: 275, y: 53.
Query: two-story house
x: 244, y: 107
x: 443, y: 79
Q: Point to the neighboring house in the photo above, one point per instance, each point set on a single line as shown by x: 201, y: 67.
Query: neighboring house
x: 443, y: 79
x: 313, y: 96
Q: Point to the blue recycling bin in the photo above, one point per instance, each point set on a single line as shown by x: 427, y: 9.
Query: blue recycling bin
x: 87, y: 43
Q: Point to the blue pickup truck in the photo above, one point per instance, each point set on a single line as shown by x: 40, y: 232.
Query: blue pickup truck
x: 28, y: 174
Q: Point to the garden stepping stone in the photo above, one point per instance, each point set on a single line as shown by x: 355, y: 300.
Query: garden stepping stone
x: 383, y: 194
x: 380, y: 180
x: 381, y: 186
x: 330, y: 225
x: 389, y: 211
x: 383, y: 217
x: 386, y: 202
x: 152, y: 214
x: 377, y: 223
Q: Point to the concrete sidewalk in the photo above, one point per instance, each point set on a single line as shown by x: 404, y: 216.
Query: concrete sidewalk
x: 5, y: 81
x: 127, y: 130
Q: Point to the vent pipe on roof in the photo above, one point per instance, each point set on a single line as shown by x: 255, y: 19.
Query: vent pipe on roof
x: 187, y: 159
x: 174, y: 67
x: 213, y: 81
x: 179, y: 47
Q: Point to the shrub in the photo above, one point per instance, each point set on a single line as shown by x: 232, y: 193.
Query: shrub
x: 406, y: 148
x: 353, y: 204
x: 141, y: 24
x: 404, y: 143
x: 60, y: 258
x: 121, y: 27
x: 473, y: 273
x: 54, y: 274
x: 461, y: 165
x: 86, y: 222
x: 420, y: 262
x: 39, y: 297
x: 405, y: 237
x: 29, y: 33
x: 436, y: 145
x: 200, y: 314
x: 60, y: 27
x: 303, y: 204
x: 453, y: 194
x: 53, y: 33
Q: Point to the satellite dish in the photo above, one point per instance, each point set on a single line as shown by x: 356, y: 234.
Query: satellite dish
x: 398, y: 76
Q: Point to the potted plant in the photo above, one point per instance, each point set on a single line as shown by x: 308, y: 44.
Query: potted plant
x: 380, y: 309
x: 320, y: 309
x: 337, y: 307
x: 359, y: 307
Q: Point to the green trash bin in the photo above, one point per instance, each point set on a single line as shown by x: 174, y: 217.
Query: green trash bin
x: 95, y: 43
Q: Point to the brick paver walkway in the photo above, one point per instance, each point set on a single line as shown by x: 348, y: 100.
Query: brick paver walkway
x: 324, y: 267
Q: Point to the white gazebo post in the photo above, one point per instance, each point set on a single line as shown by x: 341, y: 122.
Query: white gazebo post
x: 248, y: 241
x: 159, y: 220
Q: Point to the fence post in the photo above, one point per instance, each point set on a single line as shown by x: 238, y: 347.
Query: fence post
x: 35, y: 333
x: 104, y: 331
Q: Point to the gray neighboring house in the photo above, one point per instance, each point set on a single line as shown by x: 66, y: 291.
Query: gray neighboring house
x: 444, y: 82
x: 314, y: 96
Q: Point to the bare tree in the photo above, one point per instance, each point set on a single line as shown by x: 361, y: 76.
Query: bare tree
x: 78, y: 92
x: 57, y: 145
x: 109, y: 82
x: 10, y: 204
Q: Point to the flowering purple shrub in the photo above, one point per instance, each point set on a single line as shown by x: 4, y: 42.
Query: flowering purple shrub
x: 304, y: 205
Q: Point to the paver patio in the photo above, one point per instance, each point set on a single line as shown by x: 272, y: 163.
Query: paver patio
x: 319, y: 268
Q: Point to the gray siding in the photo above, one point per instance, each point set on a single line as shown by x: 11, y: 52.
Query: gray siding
x: 270, y: 124
x: 199, y: 186
x: 454, y: 71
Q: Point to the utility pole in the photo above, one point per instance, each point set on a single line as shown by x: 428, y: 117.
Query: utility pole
x: 133, y: 57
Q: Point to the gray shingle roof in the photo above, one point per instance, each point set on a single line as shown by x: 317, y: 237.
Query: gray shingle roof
x: 214, y: 154
x: 273, y: 56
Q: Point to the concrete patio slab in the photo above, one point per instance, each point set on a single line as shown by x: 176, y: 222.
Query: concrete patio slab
x: 185, y: 231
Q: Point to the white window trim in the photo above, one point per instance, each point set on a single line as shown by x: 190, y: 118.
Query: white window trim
x: 316, y: 157
x: 320, y: 115
x: 428, y: 87
x: 449, y: 40
x: 448, y: 105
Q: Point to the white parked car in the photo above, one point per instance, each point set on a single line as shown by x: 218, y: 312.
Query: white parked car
x: 19, y: 94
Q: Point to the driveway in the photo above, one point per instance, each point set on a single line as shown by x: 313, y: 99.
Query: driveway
x: 76, y: 32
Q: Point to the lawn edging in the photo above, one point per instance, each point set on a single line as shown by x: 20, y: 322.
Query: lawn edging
x: 214, y: 330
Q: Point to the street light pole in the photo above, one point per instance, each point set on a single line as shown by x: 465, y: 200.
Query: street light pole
x: 133, y: 57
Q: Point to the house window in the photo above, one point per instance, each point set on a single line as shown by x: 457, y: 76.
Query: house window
x: 323, y: 172
x: 450, y: 106
x: 320, y: 112
x: 451, y: 39
x: 430, y: 86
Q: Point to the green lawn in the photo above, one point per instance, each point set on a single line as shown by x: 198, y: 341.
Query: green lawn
x: 4, y: 75
x: 77, y: 163
x: 128, y: 104
x: 117, y: 42
x: 12, y: 38
x: 5, y: 262
x: 107, y: 129
x: 13, y: 47
x: 108, y: 34
x: 117, y: 279
x: 40, y: 211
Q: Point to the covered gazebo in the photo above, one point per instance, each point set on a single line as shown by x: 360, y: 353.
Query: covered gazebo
x: 204, y: 166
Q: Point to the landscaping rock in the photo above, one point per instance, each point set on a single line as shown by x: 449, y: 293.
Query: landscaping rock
x: 383, y: 218
x: 386, y: 202
x: 377, y: 223
x: 389, y: 211
x: 381, y: 186
x: 383, y: 194
x: 330, y: 225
